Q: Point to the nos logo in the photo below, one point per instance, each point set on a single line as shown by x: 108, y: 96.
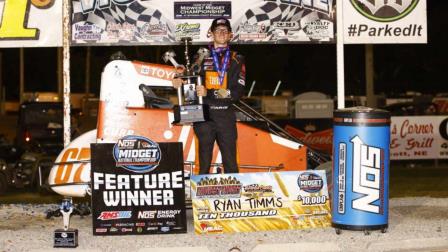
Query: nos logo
x: 368, y: 169
x: 137, y: 154
x: 384, y: 10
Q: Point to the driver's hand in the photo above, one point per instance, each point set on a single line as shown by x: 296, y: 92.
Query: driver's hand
x: 177, y: 82
x: 201, y: 91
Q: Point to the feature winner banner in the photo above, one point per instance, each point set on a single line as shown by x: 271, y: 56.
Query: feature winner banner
x: 126, y: 22
x: 246, y: 202
x: 419, y: 137
x: 138, y: 187
x: 381, y: 22
x: 30, y: 23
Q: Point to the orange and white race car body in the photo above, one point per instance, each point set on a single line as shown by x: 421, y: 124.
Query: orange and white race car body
x: 122, y: 112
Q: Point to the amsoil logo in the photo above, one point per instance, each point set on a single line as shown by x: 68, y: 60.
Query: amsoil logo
x: 384, y: 10
x: 114, y: 215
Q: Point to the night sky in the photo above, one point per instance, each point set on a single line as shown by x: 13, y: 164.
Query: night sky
x: 301, y: 67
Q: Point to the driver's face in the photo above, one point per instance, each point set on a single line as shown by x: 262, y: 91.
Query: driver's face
x: 222, y: 35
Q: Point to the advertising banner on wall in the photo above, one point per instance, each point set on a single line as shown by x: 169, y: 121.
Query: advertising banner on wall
x: 30, y: 23
x: 316, y: 133
x: 124, y: 22
x: 137, y: 187
x: 419, y: 137
x: 246, y: 202
x: 412, y: 137
x: 381, y: 22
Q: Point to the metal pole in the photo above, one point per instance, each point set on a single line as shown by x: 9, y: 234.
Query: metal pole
x: 340, y: 55
x: 66, y: 71
x: 370, y: 85
x: 276, y: 88
x: 251, y: 88
x: 22, y: 75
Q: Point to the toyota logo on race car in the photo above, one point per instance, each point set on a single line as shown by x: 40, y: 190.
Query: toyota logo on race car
x: 384, y: 11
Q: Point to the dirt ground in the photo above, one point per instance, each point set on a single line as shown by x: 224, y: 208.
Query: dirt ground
x: 415, y: 224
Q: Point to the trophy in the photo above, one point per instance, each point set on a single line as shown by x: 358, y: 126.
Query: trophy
x: 191, y: 108
x: 66, y: 237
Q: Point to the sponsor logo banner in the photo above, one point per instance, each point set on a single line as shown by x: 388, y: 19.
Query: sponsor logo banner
x: 166, y: 21
x: 412, y: 137
x: 419, y: 137
x: 30, y: 23
x: 128, y: 200
x: 378, y: 21
x: 260, y: 201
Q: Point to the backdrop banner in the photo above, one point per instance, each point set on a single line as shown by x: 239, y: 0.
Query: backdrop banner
x: 381, y: 22
x: 30, y: 23
x: 125, y: 22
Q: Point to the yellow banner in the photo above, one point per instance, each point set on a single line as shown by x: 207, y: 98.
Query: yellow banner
x: 250, y: 202
x: 30, y: 23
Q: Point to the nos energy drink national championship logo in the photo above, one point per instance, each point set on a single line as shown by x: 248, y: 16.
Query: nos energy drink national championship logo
x: 137, y: 154
x: 310, y: 182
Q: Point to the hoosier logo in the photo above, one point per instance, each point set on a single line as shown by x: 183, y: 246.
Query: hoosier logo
x: 384, y: 10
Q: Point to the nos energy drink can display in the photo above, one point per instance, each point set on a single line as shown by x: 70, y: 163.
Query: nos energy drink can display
x: 361, y: 169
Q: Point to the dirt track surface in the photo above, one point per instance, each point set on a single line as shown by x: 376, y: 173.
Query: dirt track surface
x: 415, y: 224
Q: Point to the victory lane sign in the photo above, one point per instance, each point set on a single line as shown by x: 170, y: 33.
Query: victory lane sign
x: 137, y: 187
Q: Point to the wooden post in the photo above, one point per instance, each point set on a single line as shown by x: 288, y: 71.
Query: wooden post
x: 59, y: 73
x: 66, y: 69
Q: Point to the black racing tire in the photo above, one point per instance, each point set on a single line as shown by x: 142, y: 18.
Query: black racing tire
x: 3, y: 183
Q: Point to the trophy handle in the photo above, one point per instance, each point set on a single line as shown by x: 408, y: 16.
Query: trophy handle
x: 199, y: 83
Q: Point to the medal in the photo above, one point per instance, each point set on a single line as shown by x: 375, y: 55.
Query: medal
x: 224, y: 64
x: 222, y: 93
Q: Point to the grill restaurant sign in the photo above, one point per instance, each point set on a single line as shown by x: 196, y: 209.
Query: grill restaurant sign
x: 30, y: 23
x: 126, y: 22
x: 419, y: 137
x: 381, y: 22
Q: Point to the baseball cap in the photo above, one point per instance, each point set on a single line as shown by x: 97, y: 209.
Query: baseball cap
x: 220, y: 21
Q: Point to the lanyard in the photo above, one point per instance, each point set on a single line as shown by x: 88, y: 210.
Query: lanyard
x: 224, y: 64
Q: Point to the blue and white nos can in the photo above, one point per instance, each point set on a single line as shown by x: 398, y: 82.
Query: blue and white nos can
x: 361, y: 169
